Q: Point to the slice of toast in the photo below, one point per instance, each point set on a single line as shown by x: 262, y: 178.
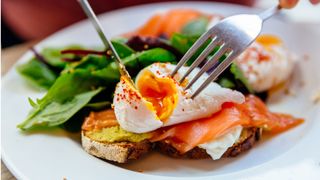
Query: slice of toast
x: 248, y: 137
x: 122, y: 152
x: 119, y: 152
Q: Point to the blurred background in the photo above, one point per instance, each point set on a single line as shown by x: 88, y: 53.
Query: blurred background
x: 30, y: 20
x: 35, y: 19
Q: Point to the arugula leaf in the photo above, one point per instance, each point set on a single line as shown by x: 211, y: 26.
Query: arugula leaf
x: 196, y: 27
x: 37, y: 74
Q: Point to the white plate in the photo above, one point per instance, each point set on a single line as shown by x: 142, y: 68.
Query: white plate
x: 57, y: 154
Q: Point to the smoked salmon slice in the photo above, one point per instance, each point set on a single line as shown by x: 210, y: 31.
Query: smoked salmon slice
x: 252, y: 113
x: 261, y: 117
x: 100, y: 120
x: 167, y: 23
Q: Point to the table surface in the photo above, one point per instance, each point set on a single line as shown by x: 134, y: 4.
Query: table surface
x: 8, y: 57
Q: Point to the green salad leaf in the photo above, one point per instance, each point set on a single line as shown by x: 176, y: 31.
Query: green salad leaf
x: 54, y: 57
x: 196, y: 27
x: 238, y: 74
x: 134, y: 63
x: 148, y: 57
x: 37, y: 74
x: 99, y: 105
x: 122, y: 49
x: 55, y: 113
x: 227, y: 83
x: 68, y: 95
x: 80, y: 82
x: 183, y: 43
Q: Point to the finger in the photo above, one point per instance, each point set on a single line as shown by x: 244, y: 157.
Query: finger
x: 315, y: 2
x: 288, y: 4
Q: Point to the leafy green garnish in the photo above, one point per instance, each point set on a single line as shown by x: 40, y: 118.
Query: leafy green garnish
x: 68, y: 95
x: 184, y: 42
x: 238, y: 74
x: 99, y: 105
x: 227, y: 83
x: 196, y: 27
x: 55, y: 113
x: 122, y: 49
x: 146, y: 58
x: 80, y: 82
x: 37, y: 73
x: 134, y: 63
x: 54, y: 56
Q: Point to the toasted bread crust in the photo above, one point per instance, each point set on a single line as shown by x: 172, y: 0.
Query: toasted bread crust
x: 119, y: 152
x: 247, y: 139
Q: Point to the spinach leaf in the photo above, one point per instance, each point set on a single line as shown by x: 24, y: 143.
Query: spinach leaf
x: 238, y: 75
x: 233, y: 78
x: 182, y: 42
x: 79, y: 83
x: 89, y: 62
x: 99, y: 105
x: 120, y: 39
x: 122, y: 49
x: 227, y: 83
x: 68, y: 95
x: 148, y: 57
x: 196, y: 27
x: 54, y: 56
x: 55, y: 113
x: 37, y: 73
x: 134, y: 63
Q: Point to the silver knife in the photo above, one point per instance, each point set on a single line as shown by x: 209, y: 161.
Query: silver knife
x: 107, y: 43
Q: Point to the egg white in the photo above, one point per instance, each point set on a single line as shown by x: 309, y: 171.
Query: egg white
x: 262, y: 75
x: 138, y: 116
x: 219, y: 146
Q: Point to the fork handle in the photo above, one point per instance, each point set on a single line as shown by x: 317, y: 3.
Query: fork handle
x: 269, y: 12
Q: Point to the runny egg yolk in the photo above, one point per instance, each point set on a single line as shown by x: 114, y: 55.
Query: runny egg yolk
x: 160, y: 91
x: 268, y: 40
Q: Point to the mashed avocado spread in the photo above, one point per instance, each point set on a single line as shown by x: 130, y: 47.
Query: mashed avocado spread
x: 116, y: 134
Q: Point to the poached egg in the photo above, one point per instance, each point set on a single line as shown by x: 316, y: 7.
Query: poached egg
x: 266, y: 63
x: 160, y: 100
x: 262, y: 58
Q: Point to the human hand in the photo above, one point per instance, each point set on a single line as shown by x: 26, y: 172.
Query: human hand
x: 288, y: 4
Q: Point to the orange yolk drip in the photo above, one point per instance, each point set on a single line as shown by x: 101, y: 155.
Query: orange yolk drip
x: 268, y: 40
x: 161, y: 92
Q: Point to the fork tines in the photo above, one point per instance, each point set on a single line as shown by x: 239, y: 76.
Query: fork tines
x: 213, y: 61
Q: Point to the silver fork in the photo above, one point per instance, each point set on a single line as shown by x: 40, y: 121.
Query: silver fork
x: 232, y: 35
